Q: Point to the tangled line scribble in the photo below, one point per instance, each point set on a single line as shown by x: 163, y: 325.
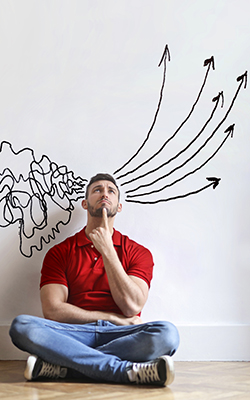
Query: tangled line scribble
x: 28, y: 196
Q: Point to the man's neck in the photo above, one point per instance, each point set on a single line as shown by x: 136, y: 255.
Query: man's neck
x: 94, y: 222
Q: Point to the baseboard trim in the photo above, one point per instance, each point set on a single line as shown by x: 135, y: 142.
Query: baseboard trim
x: 197, y: 343
x: 214, y: 343
x: 7, y: 350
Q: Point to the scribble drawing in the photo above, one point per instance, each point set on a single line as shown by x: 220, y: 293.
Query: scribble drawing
x: 39, y: 195
x: 32, y: 197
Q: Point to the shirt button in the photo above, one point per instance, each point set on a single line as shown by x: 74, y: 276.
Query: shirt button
x: 92, y: 246
x: 95, y: 258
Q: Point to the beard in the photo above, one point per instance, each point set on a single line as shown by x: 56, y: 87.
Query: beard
x: 98, y: 211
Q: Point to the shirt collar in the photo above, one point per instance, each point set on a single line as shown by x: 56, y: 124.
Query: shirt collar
x: 82, y: 240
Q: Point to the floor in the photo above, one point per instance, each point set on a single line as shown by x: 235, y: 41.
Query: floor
x: 194, y: 380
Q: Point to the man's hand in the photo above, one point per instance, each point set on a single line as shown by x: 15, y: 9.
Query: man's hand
x: 118, y: 319
x: 101, y: 236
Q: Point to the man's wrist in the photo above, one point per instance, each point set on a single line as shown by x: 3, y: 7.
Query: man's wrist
x: 109, y: 253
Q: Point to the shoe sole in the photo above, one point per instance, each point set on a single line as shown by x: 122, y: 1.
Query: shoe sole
x: 169, y: 369
x: 29, y: 367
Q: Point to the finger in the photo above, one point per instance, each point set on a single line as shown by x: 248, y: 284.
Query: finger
x: 105, y: 217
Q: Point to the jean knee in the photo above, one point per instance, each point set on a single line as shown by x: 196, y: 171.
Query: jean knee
x: 18, y: 327
x: 169, y: 337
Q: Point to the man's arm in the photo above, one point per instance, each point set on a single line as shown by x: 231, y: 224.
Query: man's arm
x: 55, y: 307
x: 129, y: 292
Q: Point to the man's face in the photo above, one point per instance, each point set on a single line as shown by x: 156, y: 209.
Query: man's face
x: 102, y: 194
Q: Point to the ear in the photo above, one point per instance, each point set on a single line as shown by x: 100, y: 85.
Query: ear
x: 85, y: 204
x: 119, y: 209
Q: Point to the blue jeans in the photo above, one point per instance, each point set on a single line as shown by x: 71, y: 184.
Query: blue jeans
x: 99, y: 350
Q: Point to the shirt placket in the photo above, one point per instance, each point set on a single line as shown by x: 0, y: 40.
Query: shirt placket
x: 95, y: 256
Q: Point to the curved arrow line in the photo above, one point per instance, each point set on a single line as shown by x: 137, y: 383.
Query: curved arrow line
x: 182, y: 124
x: 164, y: 60
x: 217, y: 98
x: 190, y: 158
x: 185, y: 176
x: 171, y: 198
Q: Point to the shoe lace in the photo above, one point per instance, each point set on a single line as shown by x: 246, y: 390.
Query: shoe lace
x: 50, y: 370
x: 146, y: 373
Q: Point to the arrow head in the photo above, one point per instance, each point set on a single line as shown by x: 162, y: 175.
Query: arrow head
x: 209, y: 61
x: 241, y: 77
x: 215, y: 180
x: 230, y: 129
x: 216, y: 98
x: 165, y: 54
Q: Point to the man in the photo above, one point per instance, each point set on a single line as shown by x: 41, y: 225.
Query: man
x: 93, y: 288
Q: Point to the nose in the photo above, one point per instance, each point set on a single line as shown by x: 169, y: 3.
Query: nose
x: 105, y: 193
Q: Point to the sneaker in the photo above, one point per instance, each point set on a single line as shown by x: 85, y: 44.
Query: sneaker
x: 157, y: 372
x: 37, y: 368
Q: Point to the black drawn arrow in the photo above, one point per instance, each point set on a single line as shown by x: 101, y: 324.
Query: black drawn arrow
x: 204, y: 144
x: 216, y: 100
x: 243, y: 77
x: 209, y: 62
x: 184, y: 176
x: 215, y: 181
x: 230, y: 129
x: 165, y: 57
x: 214, y: 184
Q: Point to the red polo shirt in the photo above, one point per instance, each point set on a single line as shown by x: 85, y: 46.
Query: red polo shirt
x: 76, y: 264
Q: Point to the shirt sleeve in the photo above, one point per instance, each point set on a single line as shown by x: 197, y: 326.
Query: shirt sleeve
x: 54, y: 266
x: 140, y: 263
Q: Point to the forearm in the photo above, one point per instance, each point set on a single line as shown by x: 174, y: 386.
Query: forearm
x: 126, y: 293
x: 68, y: 313
x: 129, y: 293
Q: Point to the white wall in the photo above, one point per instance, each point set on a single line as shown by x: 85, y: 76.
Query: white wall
x: 79, y: 82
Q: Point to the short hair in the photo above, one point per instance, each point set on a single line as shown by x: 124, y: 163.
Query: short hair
x: 101, y: 177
